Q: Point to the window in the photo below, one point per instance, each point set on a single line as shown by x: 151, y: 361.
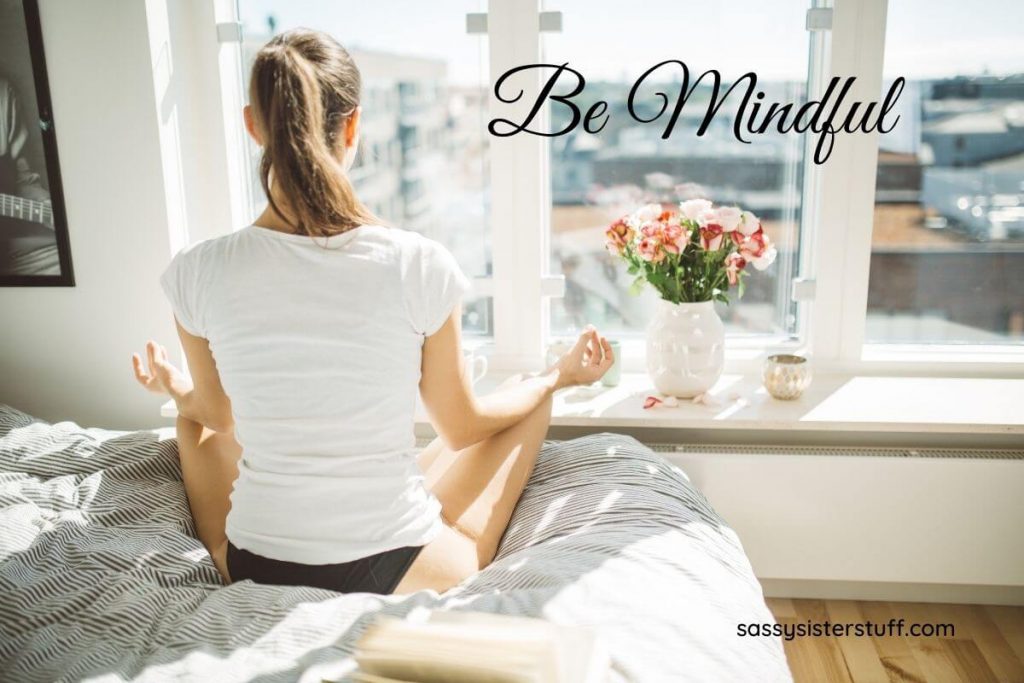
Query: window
x: 423, y: 154
x: 921, y: 245
x: 597, y: 178
x: 947, y: 249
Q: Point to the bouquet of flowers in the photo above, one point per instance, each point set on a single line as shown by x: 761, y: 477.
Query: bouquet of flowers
x: 693, y: 253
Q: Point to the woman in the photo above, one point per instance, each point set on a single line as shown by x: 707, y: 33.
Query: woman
x: 307, y: 335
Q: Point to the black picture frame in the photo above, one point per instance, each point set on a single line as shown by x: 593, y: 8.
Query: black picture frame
x: 44, y: 126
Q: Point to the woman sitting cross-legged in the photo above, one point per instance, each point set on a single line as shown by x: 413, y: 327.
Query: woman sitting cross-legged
x: 307, y: 335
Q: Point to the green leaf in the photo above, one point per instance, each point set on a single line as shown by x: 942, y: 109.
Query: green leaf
x: 637, y: 286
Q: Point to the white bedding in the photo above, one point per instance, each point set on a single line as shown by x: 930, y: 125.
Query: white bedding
x: 101, y: 577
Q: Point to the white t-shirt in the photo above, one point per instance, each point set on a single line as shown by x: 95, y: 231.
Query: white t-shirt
x: 318, y: 343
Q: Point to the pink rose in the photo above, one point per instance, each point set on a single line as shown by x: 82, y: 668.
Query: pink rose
x: 729, y: 218
x: 706, y: 217
x: 618, y: 235
x: 651, y: 229
x: 677, y: 237
x: 749, y: 224
x: 693, y: 208
x: 754, y: 245
x: 734, y: 264
x: 650, y: 250
x: 648, y: 212
x: 669, y: 218
x: 711, y: 237
x: 759, y: 250
x: 766, y: 259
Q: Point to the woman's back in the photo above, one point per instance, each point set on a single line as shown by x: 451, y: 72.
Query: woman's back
x: 308, y: 338
x: 318, y: 345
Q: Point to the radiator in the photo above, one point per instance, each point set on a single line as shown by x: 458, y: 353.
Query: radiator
x: 851, y: 515
x: 844, y: 451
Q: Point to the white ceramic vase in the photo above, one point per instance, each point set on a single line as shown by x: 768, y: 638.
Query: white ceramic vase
x: 685, y: 348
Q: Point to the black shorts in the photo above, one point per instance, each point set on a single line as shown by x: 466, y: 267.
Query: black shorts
x: 380, y: 573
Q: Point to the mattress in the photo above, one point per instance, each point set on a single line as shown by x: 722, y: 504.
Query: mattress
x: 102, y: 577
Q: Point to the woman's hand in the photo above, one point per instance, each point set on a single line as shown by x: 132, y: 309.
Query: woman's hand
x: 161, y: 377
x: 586, y: 362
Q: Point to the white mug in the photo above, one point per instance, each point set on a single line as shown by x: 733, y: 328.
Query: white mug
x: 477, y: 365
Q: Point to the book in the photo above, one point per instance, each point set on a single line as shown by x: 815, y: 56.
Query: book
x: 431, y: 646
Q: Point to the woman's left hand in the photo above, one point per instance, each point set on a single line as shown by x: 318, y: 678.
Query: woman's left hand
x: 586, y: 362
x: 161, y: 377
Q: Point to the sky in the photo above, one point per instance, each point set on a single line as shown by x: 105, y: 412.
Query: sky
x: 619, y: 40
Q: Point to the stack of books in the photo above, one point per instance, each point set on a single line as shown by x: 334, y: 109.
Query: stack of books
x: 473, y: 647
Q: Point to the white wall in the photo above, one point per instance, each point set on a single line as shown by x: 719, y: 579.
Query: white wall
x: 937, y: 529
x: 121, y: 95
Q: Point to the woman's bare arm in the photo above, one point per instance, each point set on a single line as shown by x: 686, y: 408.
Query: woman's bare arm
x: 200, y: 398
x: 461, y: 418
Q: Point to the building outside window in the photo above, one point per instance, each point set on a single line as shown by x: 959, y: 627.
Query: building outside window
x: 423, y: 160
x: 947, y: 250
x: 597, y: 178
x: 947, y: 232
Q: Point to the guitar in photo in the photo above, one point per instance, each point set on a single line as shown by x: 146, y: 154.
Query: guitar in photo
x: 35, y: 247
x: 28, y: 241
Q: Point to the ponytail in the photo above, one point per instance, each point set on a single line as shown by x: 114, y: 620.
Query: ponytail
x: 304, y: 86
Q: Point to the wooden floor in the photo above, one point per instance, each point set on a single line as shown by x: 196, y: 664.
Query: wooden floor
x: 987, y: 647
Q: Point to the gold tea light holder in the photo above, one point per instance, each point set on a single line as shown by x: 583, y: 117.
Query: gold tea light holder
x: 786, y: 375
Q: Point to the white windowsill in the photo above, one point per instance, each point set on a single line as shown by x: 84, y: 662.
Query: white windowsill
x: 833, y: 403
x: 976, y: 407
x: 1010, y: 354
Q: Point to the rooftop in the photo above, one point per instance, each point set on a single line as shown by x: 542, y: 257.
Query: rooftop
x: 997, y: 119
x: 896, y: 227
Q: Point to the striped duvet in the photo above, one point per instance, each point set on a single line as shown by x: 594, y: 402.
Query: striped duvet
x: 102, y: 578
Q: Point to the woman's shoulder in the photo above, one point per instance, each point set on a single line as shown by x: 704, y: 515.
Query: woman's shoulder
x: 400, y: 237
x: 406, y: 245
x: 385, y: 243
x: 203, y: 256
x: 210, y: 246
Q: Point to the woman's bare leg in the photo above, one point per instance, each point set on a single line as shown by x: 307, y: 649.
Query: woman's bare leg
x: 478, y: 488
x: 209, y: 467
x: 433, y: 451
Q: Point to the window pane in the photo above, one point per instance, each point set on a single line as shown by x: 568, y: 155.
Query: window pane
x: 947, y: 258
x: 597, y: 178
x: 478, y: 316
x: 423, y: 159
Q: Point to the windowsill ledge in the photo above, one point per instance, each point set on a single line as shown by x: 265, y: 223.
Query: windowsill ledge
x: 1011, y: 354
x: 985, y: 411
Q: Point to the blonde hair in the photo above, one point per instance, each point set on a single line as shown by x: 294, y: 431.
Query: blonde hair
x: 303, y: 88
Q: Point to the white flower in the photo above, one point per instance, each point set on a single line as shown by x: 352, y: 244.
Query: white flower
x: 692, y: 208
x: 706, y: 216
x: 765, y: 259
x: 648, y: 212
x: 749, y: 224
x: 729, y: 218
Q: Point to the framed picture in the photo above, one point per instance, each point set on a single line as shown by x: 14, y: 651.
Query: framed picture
x: 34, y: 246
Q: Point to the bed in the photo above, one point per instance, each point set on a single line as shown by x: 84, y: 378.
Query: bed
x: 102, y: 578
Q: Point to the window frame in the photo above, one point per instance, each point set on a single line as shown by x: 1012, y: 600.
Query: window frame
x: 845, y: 229
x: 836, y: 226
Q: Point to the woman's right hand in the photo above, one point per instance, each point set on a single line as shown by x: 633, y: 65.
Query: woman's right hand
x: 161, y: 377
x: 586, y: 362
